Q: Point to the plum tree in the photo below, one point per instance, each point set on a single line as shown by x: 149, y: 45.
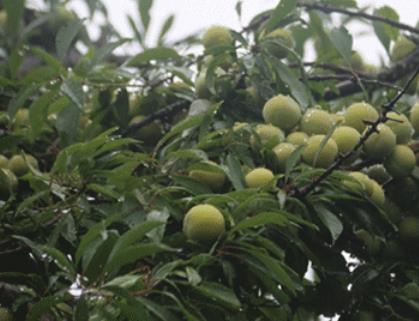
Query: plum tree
x: 409, y: 229
x: 401, y: 161
x: 217, y: 37
x: 277, y: 42
x: 380, y: 145
x: 203, y: 223
x: 346, y: 138
x: 358, y: 113
x: 402, y: 47
x: 282, y: 111
x: 19, y: 164
x: 259, y: 177
x: 414, y: 117
x: 316, y: 121
x: 283, y: 151
x: 401, y: 127
x: 213, y: 178
x: 297, y: 138
x: 320, y: 153
x: 268, y: 134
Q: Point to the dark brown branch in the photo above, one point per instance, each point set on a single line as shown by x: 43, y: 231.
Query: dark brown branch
x: 373, y: 128
x: 310, y: 5
x: 348, y: 77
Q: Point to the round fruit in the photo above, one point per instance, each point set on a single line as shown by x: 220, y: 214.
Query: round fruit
x: 377, y: 195
x: 214, y: 179
x: 409, y: 229
x: 402, y: 48
x: 283, y: 152
x: 149, y: 134
x: 362, y: 183
x: 201, y: 88
x: 259, y: 177
x: 203, y: 223
x: 337, y: 119
x: 22, y: 118
x: 378, y: 173
x: 297, y: 138
x: 401, y: 161
x: 346, y: 138
x: 380, y: 145
x: 317, y: 155
x: 358, y: 113
x: 3, y: 161
x: 5, y: 314
x: 414, y: 117
x: 278, y: 41
x: 268, y: 135
x: 217, y: 36
x: 282, y: 111
x: 19, y: 164
x: 400, y: 126
x: 8, y: 183
x: 316, y: 121
x: 356, y: 61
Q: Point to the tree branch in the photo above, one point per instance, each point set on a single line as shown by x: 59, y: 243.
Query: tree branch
x: 373, y: 128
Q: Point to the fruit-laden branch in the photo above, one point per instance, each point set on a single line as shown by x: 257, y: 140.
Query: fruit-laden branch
x: 373, y: 128
x: 166, y: 111
x: 311, y: 5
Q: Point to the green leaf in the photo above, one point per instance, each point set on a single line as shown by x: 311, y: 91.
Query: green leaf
x: 284, y: 8
x: 67, y: 124
x: 49, y: 59
x: 42, y: 307
x: 262, y: 219
x: 38, y: 112
x: 14, y: 10
x: 103, y: 52
x: 61, y: 260
x: 234, y: 172
x: 144, y: 7
x: 153, y: 54
x: 342, y: 40
x: 20, y: 100
x: 65, y: 37
x: 330, y: 220
x: 385, y: 32
x: 72, y: 88
x: 81, y: 312
x: 165, y: 28
x: 220, y: 294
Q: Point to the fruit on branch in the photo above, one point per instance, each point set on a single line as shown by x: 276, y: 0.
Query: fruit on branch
x: 217, y: 37
x: 360, y: 183
x: 8, y: 183
x: 338, y: 119
x: 316, y: 121
x: 377, y: 195
x: 259, y: 177
x: 203, y: 223
x: 3, y: 161
x: 401, y: 161
x: 402, y: 48
x: 277, y: 42
x: 297, y: 138
x: 268, y: 134
x: 319, y: 153
x: 282, y: 111
x: 380, y: 145
x: 201, y: 88
x: 19, y: 164
x: 378, y: 173
x: 346, y: 138
x: 214, y: 178
x: 414, y: 117
x: 5, y: 314
x: 409, y: 229
x: 358, y: 113
x: 283, y: 152
x: 401, y: 126
x: 150, y: 133
x: 21, y: 118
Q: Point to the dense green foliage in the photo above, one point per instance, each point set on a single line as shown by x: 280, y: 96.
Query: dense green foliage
x: 102, y: 155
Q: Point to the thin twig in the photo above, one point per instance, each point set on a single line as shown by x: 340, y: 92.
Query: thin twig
x: 351, y: 78
x: 373, y: 128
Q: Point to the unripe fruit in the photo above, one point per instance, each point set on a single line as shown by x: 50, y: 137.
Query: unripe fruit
x: 217, y: 36
x: 414, y: 117
x: 316, y: 121
x: 19, y: 164
x: 22, y: 118
x: 377, y: 196
x: 401, y: 161
x: 282, y: 111
x: 380, y: 145
x: 8, y: 183
x: 346, y: 138
x: 3, y: 161
x: 149, y: 134
x: 268, y: 134
x: 402, y: 48
x: 362, y: 183
x: 214, y: 179
x: 283, y: 152
x: 317, y: 157
x: 358, y: 113
x: 297, y: 138
x: 259, y: 177
x: 5, y: 314
x: 284, y: 39
x: 378, y: 173
x: 203, y: 223
x: 337, y: 119
x: 201, y: 88
x: 357, y: 63
x: 400, y: 126
x: 409, y: 229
